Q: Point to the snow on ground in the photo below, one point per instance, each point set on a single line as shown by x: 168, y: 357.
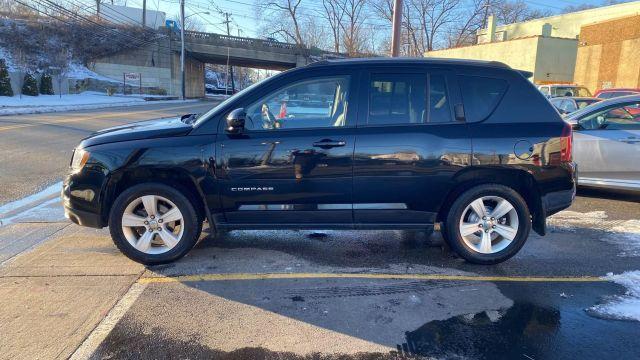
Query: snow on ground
x: 623, y: 307
x: 41, y: 206
x: 78, y: 71
x: 54, y: 103
x: 625, y: 234
x: 4, y: 54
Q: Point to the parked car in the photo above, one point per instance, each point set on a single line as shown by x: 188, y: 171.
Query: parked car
x: 213, y: 89
x: 402, y: 144
x: 612, y: 93
x: 557, y: 90
x: 607, y: 143
x: 567, y: 105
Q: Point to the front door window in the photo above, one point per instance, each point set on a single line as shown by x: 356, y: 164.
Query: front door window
x: 315, y: 103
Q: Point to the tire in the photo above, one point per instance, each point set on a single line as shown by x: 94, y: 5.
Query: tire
x: 158, y: 241
x: 498, y: 247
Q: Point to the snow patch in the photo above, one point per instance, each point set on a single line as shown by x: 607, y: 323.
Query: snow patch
x: 625, y: 234
x: 78, y: 71
x: 623, y: 307
x: 41, y: 206
x: 37, y: 197
x: 84, y: 101
x: 6, y: 55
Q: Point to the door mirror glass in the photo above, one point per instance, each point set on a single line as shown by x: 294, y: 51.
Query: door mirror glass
x: 235, y: 121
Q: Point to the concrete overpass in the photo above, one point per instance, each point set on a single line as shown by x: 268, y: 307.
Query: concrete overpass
x: 242, y: 51
x: 159, y: 62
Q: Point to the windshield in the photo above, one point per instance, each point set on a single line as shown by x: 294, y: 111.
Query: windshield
x: 584, y: 103
x: 202, y: 118
x: 571, y: 91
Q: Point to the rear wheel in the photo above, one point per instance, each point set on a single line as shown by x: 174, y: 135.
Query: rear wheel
x: 488, y: 224
x: 154, y: 224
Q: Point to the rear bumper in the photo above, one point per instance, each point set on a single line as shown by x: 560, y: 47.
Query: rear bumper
x: 558, y: 201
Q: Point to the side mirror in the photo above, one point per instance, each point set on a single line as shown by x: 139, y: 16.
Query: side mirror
x: 576, y: 126
x: 235, y: 121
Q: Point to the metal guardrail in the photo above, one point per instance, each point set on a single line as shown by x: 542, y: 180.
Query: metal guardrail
x: 241, y: 42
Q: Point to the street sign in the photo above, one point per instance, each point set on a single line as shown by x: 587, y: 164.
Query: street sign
x: 131, y: 76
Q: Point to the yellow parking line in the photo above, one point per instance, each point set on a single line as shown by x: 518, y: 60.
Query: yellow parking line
x: 433, y: 277
x: 96, y: 117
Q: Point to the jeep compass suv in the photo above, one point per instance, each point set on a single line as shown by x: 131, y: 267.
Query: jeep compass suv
x: 350, y: 144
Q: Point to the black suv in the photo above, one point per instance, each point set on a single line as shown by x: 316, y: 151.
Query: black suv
x: 349, y: 144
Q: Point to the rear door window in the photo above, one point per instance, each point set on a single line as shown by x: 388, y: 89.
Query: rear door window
x: 480, y: 95
x: 396, y: 99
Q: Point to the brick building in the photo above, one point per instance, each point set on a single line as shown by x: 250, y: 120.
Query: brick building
x: 609, y: 54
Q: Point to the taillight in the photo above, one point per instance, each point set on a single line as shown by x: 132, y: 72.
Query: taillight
x: 566, y: 144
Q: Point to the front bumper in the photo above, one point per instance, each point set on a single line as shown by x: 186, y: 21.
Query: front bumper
x: 81, y: 199
x: 83, y: 218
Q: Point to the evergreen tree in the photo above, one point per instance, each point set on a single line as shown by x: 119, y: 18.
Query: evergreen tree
x: 5, y: 80
x: 46, y: 85
x: 30, y: 85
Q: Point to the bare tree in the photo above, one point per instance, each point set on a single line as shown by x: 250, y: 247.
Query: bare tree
x: 314, y: 33
x: 464, y: 31
x: 509, y: 12
x: 276, y: 10
x: 334, y: 14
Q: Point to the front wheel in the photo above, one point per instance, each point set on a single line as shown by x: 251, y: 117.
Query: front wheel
x: 488, y: 224
x: 154, y: 224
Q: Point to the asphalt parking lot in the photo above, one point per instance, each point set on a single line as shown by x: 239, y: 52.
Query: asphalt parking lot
x: 67, y: 292
x: 323, y: 294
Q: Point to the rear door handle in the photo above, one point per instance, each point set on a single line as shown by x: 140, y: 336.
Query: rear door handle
x: 328, y: 143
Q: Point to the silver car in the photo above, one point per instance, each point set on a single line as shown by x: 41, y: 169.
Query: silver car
x: 607, y: 143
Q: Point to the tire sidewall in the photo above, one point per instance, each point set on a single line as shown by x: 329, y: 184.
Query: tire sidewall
x: 455, y: 213
x: 190, y: 218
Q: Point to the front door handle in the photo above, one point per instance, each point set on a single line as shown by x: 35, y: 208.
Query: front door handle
x: 630, y: 140
x: 328, y: 143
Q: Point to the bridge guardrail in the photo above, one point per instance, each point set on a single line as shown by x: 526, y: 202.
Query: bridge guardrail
x: 241, y: 42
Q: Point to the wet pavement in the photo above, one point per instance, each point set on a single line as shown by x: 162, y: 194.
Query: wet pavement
x: 67, y: 291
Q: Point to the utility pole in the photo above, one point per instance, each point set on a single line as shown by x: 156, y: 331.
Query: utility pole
x: 396, y: 28
x: 182, y: 85
x: 144, y: 13
x: 229, y: 68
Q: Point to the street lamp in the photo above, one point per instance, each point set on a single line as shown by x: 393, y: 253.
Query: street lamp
x: 182, y: 17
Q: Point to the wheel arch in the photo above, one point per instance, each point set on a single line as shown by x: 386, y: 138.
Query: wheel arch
x: 518, y: 179
x: 178, y: 179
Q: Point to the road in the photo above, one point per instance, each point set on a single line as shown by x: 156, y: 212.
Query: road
x: 36, y: 149
x: 68, y: 292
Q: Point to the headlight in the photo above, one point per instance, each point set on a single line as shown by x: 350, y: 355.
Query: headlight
x: 80, y: 157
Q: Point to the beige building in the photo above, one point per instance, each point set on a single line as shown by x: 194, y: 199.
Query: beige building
x: 547, y: 47
x: 609, y: 54
x: 562, y: 26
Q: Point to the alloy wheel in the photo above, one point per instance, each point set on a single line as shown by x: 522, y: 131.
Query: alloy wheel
x: 152, y: 224
x: 489, y: 224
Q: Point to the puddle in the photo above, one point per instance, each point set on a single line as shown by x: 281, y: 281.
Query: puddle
x: 516, y: 333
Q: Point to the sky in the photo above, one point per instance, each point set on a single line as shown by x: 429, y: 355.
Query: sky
x: 244, y: 21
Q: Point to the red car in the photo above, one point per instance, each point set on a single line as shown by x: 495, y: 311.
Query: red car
x: 612, y: 93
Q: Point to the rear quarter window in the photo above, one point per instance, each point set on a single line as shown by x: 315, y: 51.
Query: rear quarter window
x: 480, y: 95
